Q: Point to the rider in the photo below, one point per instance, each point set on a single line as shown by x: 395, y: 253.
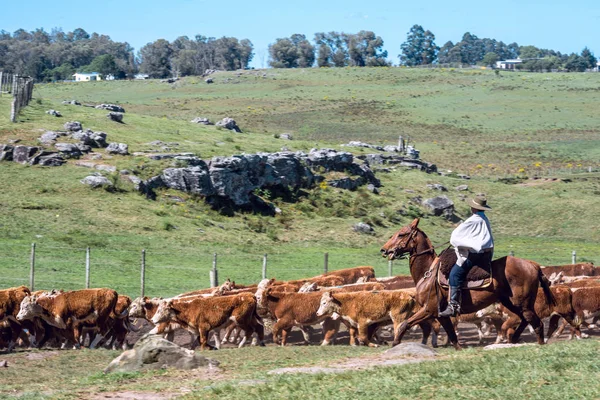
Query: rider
x: 474, y: 245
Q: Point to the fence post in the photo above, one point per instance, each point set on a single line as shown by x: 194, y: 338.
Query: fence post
x: 1, y: 83
x: 264, y: 268
x: 32, y: 268
x: 87, y: 267
x: 214, y: 277
x: 390, y: 267
x: 143, y: 274
x: 574, y: 257
x: 326, y: 263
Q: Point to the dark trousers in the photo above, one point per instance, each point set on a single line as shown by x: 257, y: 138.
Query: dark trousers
x: 458, y: 274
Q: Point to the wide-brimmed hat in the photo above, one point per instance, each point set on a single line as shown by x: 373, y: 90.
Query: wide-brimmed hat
x: 479, y: 203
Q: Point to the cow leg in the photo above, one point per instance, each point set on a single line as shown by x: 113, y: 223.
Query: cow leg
x: 363, y: 335
x: 330, y: 329
x: 305, y: 334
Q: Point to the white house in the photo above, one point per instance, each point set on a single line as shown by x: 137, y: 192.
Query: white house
x: 508, y: 64
x: 87, y: 76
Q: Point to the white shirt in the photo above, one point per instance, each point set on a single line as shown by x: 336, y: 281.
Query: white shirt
x: 474, y: 234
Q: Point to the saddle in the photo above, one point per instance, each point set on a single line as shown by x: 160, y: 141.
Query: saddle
x: 478, y: 277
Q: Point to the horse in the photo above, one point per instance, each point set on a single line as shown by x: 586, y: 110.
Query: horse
x: 515, y: 283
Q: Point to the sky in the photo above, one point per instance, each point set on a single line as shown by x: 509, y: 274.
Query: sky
x: 560, y: 25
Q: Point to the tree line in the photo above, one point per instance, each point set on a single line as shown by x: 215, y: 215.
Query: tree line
x: 56, y: 55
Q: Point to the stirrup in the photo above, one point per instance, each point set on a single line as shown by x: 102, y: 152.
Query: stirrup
x: 452, y: 310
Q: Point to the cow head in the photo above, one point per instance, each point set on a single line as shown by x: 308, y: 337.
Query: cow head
x: 29, y: 308
x: 137, y: 309
x: 308, y: 287
x: 328, y: 305
x: 402, y: 242
x: 164, y: 312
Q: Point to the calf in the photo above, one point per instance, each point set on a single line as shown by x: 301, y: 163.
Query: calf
x: 362, y: 309
x: 70, y: 310
x: 202, y: 315
x: 586, y: 304
x: 582, y: 269
x: 10, y: 302
x: 352, y: 275
x: 397, y: 282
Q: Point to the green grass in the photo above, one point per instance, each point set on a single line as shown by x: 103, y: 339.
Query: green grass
x: 468, y: 121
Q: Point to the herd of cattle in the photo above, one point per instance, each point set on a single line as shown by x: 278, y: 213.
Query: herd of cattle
x: 235, y: 313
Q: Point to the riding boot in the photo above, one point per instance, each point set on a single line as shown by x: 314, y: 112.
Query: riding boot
x: 453, y: 308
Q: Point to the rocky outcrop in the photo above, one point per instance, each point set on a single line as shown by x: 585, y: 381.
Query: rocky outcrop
x: 440, y: 205
x: 54, y: 113
x: 398, y: 160
x: 49, y: 137
x: 201, y: 121
x: 96, y: 181
x: 73, y: 126
x: 91, y: 138
x: 110, y: 107
x: 229, y: 123
x: 153, y: 352
x: 6, y: 152
x: 115, y: 116
x: 30, y: 155
x: 69, y: 150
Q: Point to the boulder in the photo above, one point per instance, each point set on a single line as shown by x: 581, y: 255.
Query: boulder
x: 96, y: 181
x: 440, y: 205
x: 361, y: 227
x: 153, y: 352
x: 6, y: 152
x: 391, y: 149
x: 286, y: 136
x: 195, y: 180
x: 209, y: 72
x: 329, y: 159
x: 72, y: 102
x: 91, y: 138
x: 118, y: 148
x: 51, y: 160
x: 209, y: 80
x: 68, y: 150
x: 371, y: 188
x: 345, y: 183
x: 73, y: 126
x: 156, y: 143
x: 463, y: 176
x: 110, y: 107
x: 49, y: 137
x: 115, y: 116
x: 362, y: 144
x: 54, y: 113
x: 462, y: 188
x: 23, y: 154
x: 229, y: 123
x: 201, y: 121
x: 437, y: 186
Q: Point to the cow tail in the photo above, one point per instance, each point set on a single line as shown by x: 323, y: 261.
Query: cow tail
x: 545, y: 283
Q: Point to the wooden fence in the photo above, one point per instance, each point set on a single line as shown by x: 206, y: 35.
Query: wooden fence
x: 21, y: 89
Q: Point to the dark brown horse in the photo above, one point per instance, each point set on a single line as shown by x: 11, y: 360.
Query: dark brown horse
x: 515, y: 285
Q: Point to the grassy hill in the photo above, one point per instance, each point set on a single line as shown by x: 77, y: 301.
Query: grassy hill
x: 497, y: 128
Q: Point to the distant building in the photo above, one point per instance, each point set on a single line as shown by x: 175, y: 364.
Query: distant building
x: 87, y: 76
x: 597, y: 69
x: 141, y: 76
x: 508, y: 64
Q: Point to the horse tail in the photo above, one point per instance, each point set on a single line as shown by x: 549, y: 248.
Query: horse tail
x: 545, y: 283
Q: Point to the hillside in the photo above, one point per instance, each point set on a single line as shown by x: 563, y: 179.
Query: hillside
x: 495, y: 128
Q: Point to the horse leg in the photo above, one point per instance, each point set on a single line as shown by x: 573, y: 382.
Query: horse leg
x: 448, y: 326
x: 426, y: 327
x: 422, y: 315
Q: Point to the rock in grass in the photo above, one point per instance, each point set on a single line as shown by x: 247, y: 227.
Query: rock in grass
x: 110, y: 107
x: 54, y: 113
x: 153, y: 352
x: 115, y: 116
x: 440, y: 205
x: 118, y: 148
x: 96, y: 181
x: 462, y: 188
x: 361, y: 227
x: 201, y: 121
x: 69, y: 150
x: 229, y: 123
x: 73, y: 126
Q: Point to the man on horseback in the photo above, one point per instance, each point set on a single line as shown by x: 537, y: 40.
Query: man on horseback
x: 474, y: 245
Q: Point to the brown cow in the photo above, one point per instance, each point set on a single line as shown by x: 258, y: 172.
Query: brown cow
x: 397, y: 282
x: 582, y: 269
x: 202, y: 315
x: 362, y: 309
x: 70, y: 310
x: 10, y: 301
x: 586, y: 305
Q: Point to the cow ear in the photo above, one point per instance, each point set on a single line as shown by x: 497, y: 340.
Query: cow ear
x: 415, y: 223
x: 327, y: 295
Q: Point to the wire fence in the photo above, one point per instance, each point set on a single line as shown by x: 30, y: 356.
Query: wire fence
x: 168, y: 273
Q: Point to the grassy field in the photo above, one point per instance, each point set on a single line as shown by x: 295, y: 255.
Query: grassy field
x: 497, y: 128
x: 559, y: 370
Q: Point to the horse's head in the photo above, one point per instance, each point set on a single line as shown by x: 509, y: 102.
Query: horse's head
x: 402, y: 242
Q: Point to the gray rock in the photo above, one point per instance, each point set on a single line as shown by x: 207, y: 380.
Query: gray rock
x: 54, y: 113
x: 135, y: 180
x: 195, y: 180
x: 156, y: 143
x: 209, y: 72
x: 3, y: 364
x: 345, y: 183
x: 91, y: 138
x: 6, y: 152
x: 118, y: 148
x: 437, y: 186
x: 361, y: 227
x: 188, y: 160
x: 229, y: 123
x: 68, y: 150
x: 286, y: 136
x: 330, y: 160
x: 497, y: 346
x: 463, y: 176
x: 153, y: 352
x: 72, y: 102
x: 84, y: 148
x: 110, y: 107
x: 115, y: 116
x: 24, y: 154
x: 391, y: 149
x: 51, y: 160
x: 462, y: 188
x: 362, y: 144
x: 49, y: 137
x: 167, y: 156
x: 440, y: 205
x: 371, y: 188
x: 96, y: 181
x: 201, y: 121
x: 410, y: 349
x: 209, y: 80
x: 73, y: 126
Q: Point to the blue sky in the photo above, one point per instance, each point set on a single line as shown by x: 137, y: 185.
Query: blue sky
x: 559, y: 25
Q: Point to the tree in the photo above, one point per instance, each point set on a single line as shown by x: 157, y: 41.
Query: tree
x: 155, y: 59
x: 332, y: 49
x: 444, y: 53
x: 529, y: 52
x: 323, y: 56
x: 576, y: 63
x: 419, y: 48
x: 105, y: 65
x: 490, y: 59
x: 292, y: 52
x: 588, y: 56
x: 365, y: 49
